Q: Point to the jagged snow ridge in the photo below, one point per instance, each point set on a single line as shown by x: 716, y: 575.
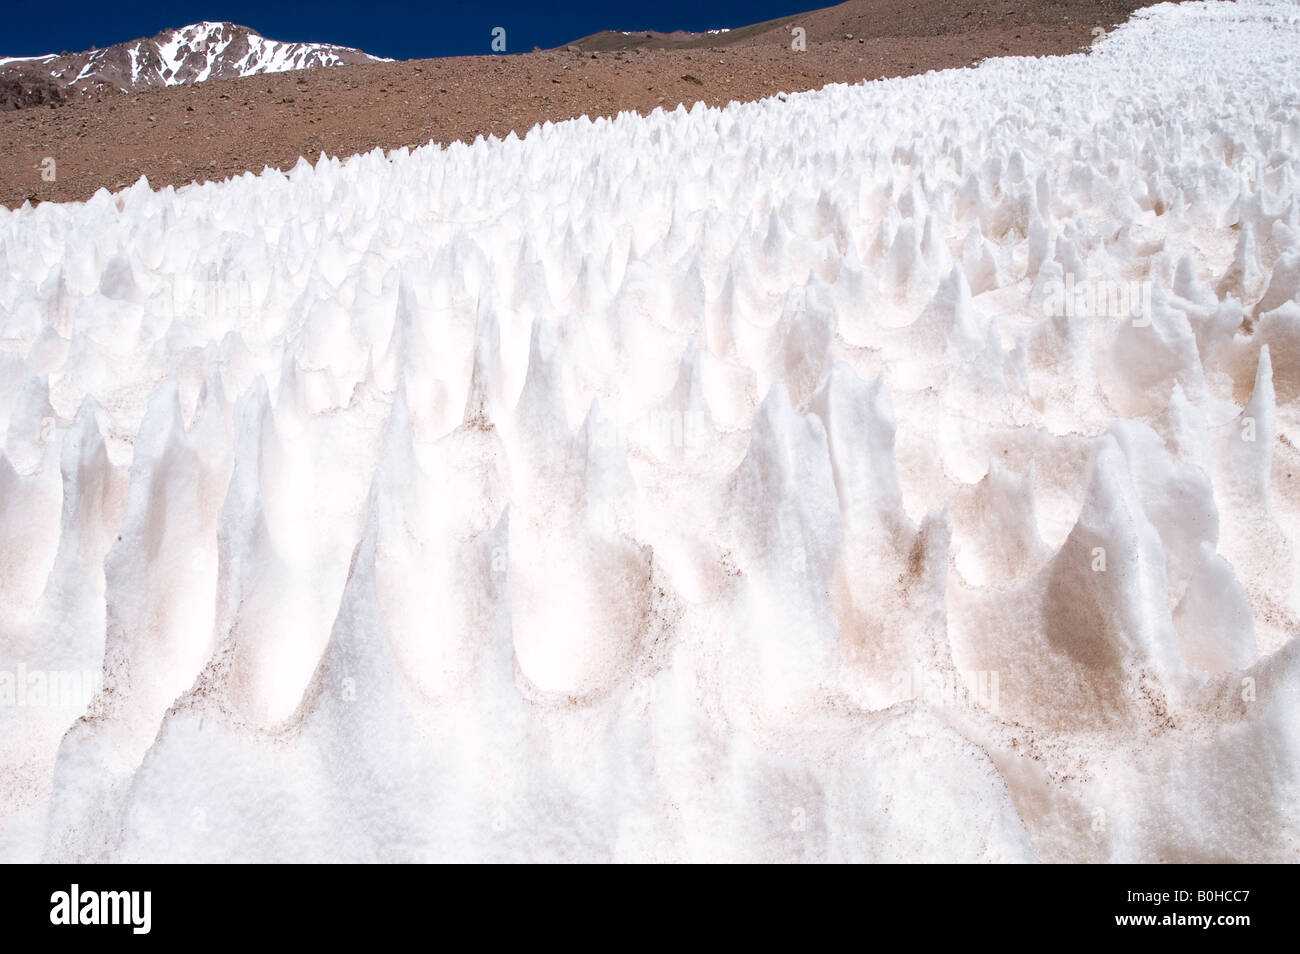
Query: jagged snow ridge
x: 263, y: 56
x: 715, y: 484
x: 194, y: 53
x: 28, y: 59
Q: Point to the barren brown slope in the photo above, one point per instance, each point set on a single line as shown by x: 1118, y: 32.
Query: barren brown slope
x: 874, y: 19
x: 213, y: 130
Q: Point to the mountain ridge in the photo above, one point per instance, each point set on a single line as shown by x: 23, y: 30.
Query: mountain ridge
x: 190, y: 54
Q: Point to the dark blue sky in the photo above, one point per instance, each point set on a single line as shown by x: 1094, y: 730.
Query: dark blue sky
x: 385, y: 28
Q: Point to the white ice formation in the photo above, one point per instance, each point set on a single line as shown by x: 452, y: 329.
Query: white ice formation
x: 906, y: 471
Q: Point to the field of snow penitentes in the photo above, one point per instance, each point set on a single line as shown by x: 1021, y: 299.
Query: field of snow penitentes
x: 905, y: 471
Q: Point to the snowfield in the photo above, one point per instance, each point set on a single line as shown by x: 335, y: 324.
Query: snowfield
x: 906, y: 471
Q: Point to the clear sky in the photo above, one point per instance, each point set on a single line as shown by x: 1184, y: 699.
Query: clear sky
x: 401, y: 30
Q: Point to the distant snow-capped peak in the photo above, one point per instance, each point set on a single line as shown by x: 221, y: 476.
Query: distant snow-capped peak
x: 215, y: 50
x: 191, y: 54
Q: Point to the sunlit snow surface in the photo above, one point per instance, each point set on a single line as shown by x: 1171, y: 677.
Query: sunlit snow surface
x: 714, y: 485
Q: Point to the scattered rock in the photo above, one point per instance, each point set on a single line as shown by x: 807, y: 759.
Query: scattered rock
x: 25, y: 90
